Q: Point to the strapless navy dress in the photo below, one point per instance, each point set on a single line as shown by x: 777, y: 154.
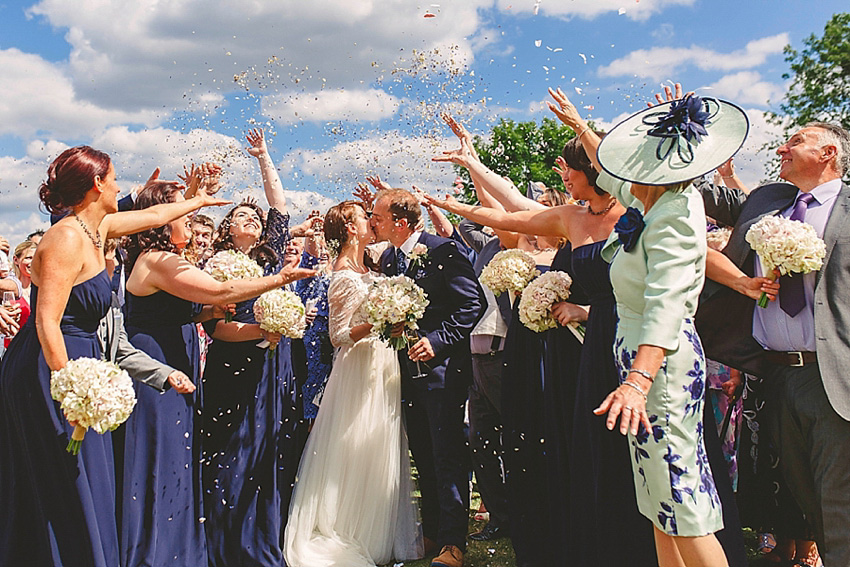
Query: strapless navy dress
x: 56, y: 509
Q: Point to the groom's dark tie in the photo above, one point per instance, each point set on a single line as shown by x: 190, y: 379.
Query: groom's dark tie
x: 792, y: 297
x: 401, y: 261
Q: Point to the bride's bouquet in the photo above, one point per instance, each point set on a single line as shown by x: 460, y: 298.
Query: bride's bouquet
x: 787, y: 245
x: 232, y: 265
x: 535, y: 306
x: 279, y: 311
x: 395, y: 300
x: 93, y: 393
x: 509, y: 270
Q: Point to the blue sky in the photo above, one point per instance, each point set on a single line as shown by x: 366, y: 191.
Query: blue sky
x: 348, y: 88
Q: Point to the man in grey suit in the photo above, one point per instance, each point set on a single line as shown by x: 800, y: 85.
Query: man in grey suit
x: 801, y: 342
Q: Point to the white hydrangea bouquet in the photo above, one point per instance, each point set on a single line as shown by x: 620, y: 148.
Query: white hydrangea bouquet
x: 232, y: 265
x: 718, y: 239
x: 787, y: 245
x: 509, y: 270
x: 93, y: 393
x: 535, y: 305
x: 395, y: 300
x: 280, y: 311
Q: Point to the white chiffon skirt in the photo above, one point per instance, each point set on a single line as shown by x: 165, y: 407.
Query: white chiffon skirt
x: 353, y: 502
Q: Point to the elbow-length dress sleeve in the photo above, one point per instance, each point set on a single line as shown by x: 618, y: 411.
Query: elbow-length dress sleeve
x: 346, y: 293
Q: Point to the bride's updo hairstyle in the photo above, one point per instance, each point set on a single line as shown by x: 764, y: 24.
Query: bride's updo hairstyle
x: 155, y: 192
x: 71, y: 176
x: 336, y: 219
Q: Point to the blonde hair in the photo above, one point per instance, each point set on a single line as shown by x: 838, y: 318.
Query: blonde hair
x: 20, y: 250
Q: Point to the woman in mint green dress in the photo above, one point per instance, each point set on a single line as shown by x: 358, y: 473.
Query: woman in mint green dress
x: 657, y: 255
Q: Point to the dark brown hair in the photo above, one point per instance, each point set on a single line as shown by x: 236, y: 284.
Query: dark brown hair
x: 577, y: 159
x: 71, y: 176
x: 155, y: 192
x: 336, y: 219
x: 261, y: 253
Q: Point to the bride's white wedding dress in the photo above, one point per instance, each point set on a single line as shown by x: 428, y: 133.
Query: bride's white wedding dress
x: 353, y: 502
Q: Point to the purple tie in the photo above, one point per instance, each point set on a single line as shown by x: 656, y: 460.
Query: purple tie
x: 792, y: 297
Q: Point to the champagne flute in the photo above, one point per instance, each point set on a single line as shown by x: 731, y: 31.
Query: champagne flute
x: 412, y: 335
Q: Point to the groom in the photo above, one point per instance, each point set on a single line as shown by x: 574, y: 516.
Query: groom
x: 434, y: 390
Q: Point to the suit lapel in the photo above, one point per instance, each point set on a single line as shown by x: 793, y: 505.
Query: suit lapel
x: 834, y: 225
x: 411, y: 272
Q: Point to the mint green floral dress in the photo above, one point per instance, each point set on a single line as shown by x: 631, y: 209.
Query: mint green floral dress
x: 657, y: 285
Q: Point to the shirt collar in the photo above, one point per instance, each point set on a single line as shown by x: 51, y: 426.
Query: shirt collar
x: 825, y: 191
x: 407, y: 245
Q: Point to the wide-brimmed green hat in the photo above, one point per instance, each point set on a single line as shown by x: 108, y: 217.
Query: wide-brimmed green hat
x: 674, y: 142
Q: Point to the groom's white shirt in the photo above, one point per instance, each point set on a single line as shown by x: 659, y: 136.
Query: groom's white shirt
x: 407, y: 245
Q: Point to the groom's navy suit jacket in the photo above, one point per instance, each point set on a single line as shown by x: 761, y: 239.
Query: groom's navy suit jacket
x: 456, y: 304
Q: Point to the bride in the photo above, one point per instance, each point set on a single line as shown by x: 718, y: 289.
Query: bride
x: 353, y: 500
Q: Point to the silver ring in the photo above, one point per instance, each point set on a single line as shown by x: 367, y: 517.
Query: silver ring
x: 628, y: 408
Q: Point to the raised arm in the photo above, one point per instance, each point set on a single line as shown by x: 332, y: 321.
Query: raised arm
x: 271, y: 180
x: 548, y: 221
x: 129, y: 222
x: 569, y: 115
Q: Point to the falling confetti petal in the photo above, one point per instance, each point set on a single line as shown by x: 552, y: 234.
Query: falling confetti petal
x: 538, y: 42
x: 583, y: 58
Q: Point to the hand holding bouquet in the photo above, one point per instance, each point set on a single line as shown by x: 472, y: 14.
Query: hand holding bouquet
x: 395, y: 300
x: 535, y: 306
x: 232, y: 265
x: 785, y: 245
x: 279, y: 311
x: 92, y: 393
x: 509, y: 270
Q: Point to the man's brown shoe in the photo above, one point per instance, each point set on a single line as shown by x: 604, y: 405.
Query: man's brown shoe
x: 450, y: 556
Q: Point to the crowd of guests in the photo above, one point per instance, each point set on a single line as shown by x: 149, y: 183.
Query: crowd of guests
x: 679, y: 415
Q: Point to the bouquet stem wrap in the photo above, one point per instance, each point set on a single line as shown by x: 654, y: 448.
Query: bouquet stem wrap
x: 76, y: 440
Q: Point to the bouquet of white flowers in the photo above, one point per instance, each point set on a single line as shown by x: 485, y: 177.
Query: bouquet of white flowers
x: 279, y: 311
x: 535, y: 306
x: 786, y: 245
x: 509, y: 270
x: 232, y: 265
x: 395, y: 300
x: 718, y: 239
x: 93, y: 393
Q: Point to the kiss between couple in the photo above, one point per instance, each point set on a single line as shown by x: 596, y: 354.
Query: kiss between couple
x: 353, y: 503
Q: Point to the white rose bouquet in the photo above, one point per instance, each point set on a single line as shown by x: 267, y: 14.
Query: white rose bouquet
x: 509, y: 270
x: 279, y: 311
x: 786, y: 245
x: 395, y: 300
x: 232, y: 265
x: 535, y: 305
x: 93, y: 393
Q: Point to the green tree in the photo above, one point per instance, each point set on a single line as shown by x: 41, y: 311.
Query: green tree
x: 820, y: 81
x: 521, y: 151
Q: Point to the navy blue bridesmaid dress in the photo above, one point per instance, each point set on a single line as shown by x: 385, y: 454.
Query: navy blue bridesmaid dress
x: 162, y: 512
x: 253, y: 437
x: 560, y: 365
x: 55, y: 508
x: 605, y: 526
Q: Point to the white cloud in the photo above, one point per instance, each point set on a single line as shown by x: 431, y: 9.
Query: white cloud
x: 639, y: 11
x: 337, y: 105
x: 746, y: 87
x: 38, y: 97
x: 660, y: 63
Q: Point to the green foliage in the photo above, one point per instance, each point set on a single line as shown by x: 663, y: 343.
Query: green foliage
x: 521, y: 151
x: 820, y: 82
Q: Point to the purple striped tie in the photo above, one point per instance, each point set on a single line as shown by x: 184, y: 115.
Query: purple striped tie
x: 792, y: 297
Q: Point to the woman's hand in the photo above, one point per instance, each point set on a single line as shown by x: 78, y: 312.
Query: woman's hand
x: 9, y: 320
x: 291, y: 272
x: 561, y: 168
x: 220, y: 311
x: 208, y: 200
x: 566, y: 111
x: 462, y: 156
x: 191, y: 178
x: 566, y: 313
x: 181, y: 383
x: 754, y: 287
x: 257, y: 139
x: 272, y: 338
x: 376, y: 182
x: 397, y: 330
x: 449, y: 203
x: 731, y: 386
x: 310, y: 315
x: 629, y: 405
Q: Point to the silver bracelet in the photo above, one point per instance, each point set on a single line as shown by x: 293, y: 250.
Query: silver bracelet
x: 643, y: 373
x: 636, y: 387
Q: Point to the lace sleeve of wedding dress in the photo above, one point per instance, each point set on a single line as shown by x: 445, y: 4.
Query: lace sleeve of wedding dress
x: 345, y: 296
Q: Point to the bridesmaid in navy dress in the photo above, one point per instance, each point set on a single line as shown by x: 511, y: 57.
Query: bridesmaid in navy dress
x: 254, y: 429
x: 163, y: 516
x: 57, y: 508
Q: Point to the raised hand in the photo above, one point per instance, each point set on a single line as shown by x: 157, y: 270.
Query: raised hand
x: 377, y: 183
x: 210, y: 178
x: 462, y: 156
x: 365, y: 194
x: 565, y: 110
x: 461, y: 132
x: 257, y: 139
x: 449, y: 203
x: 191, y: 178
x: 561, y: 168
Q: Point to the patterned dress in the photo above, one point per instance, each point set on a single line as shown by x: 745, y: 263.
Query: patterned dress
x: 657, y: 286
